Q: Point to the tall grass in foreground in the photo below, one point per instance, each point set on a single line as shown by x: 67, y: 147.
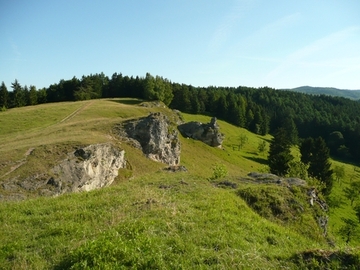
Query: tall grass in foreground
x: 164, y: 221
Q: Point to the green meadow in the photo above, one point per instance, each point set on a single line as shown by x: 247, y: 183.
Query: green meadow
x: 150, y: 218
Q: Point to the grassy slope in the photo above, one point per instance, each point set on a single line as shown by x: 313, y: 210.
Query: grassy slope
x: 155, y: 220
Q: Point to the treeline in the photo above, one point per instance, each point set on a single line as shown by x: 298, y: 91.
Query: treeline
x: 260, y: 110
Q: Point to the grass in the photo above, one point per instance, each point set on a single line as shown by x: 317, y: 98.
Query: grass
x: 138, y: 223
x: 150, y: 218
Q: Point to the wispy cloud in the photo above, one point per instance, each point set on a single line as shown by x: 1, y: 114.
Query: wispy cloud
x: 276, y: 26
x: 250, y: 47
x: 224, y: 30
x: 300, y: 57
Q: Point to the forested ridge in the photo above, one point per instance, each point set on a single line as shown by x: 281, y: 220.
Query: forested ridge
x: 260, y: 110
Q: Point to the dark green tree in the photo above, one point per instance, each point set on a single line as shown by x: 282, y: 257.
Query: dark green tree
x: 334, y: 141
x: 255, y: 125
x: 320, y: 166
x: 157, y: 89
x: 4, y: 97
x: 249, y: 118
x: 42, y: 96
x: 279, y: 153
x: 306, y: 149
x: 264, y: 125
x: 291, y: 130
x: 316, y: 154
x: 18, y: 93
x: 26, y: 94
x: 222, y: 107
x: 33, y: 98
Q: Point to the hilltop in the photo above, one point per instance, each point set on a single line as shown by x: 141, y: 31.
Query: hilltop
x: 330, y: 91
x: 214, y: 215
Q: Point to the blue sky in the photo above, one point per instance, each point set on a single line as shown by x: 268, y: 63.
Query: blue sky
x: 279, y: 43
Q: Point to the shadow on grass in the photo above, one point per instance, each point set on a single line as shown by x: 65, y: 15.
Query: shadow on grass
x: 127, y: 101
x: 259, y: 160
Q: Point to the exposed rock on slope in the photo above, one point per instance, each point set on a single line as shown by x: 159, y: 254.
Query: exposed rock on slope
x: 208, y: 133
x: 153, y: 134
x: 285, y: 200
x: 88, y: 168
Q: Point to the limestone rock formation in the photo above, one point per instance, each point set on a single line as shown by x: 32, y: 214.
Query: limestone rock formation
x: 88, y: 168
x: 208, y: 133
x: 154, y: 135
x: 91, y: 167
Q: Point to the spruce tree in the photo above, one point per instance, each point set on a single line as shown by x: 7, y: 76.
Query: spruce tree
x: 4, y: 97
x: 18, y: 93
x: 316, y: 154
x: 279, y: 154
x: 320, y: 166
x: 306, y: 149
x: 291, y: 129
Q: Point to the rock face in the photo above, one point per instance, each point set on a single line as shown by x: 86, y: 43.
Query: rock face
x: 91, y: 167
x: 88, y: 168
x: 154, y: 136
x: 208, y: 133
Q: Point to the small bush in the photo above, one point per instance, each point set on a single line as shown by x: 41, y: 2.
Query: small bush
x: 219, y: 171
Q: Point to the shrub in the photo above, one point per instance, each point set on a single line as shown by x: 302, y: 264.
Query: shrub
x: 219, y: 171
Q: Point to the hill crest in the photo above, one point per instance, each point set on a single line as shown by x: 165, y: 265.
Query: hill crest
x: 331, y: 91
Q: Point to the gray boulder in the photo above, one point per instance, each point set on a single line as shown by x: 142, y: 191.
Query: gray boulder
x: 154, y: 135
x: 88, y: 168
x: 208, y: 133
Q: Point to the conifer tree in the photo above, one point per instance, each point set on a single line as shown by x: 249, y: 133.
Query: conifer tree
x: 279, y: 154
x: 33, y: 99
x: 4, y: 96
x: 306, y: 149
x: 18, y: 93
x: 317, y: 154
x: 291, y: 129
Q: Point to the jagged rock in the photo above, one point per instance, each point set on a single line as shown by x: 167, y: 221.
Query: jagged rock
x: 154, y: 136
x: 208, y: 133
x: 88, y: 168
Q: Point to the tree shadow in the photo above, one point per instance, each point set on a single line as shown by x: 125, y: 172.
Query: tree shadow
x: 127, y: 101
x: 260, y: 160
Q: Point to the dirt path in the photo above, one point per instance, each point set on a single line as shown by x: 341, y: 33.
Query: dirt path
x: 19, y: 163
x: 76, y: 112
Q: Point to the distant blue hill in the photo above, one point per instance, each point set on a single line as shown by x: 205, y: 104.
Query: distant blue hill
x: 351, y: 94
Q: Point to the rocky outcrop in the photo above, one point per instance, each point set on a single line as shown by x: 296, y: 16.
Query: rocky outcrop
x: 269, y: 178
x: 155, y: 136
x: 88, y: 168
x: 91, y: 167
x: 208, y: 133
x: 319, y: 206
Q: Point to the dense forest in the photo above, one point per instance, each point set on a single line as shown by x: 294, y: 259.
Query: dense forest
x: 260, y: 110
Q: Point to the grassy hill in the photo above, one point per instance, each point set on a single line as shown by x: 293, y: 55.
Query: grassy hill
x: 151, y: 218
